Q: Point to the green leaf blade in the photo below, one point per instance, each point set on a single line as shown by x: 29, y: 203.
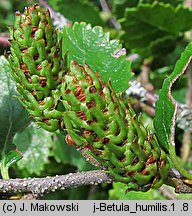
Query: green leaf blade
x: 63, y: 153
x: 13, y: 117
x: 147, y: 23
x: 35, y: 144
x: 119, y: 6
x: 161, y: 15
x: 165, y: 107
x: 92, y: 46
x: 78, y: 10
x: 118, y: 193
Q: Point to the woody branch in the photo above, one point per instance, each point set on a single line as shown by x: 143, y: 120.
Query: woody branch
x: 147, y: 100
x: 40, y: 186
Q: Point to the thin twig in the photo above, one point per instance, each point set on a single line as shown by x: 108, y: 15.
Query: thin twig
x: 58, y: 19
x: 167, y: 193
x: 4, y: 40
x: 185, y: 149
x: 144, y: 75
x: 138, y: 91
x: 184, y: 114
x: 176, y: 180
x: 106, y: 8
x: 145, y: 108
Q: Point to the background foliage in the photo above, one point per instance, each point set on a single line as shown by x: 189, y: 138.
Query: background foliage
x: 153, y: 31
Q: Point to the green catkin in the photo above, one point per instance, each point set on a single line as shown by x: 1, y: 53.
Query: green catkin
x: 114, y: 133
x: 37, y: 66
x: 80, y: 103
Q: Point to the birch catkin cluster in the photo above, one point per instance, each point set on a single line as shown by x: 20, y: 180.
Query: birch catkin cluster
x: 78, y: 101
